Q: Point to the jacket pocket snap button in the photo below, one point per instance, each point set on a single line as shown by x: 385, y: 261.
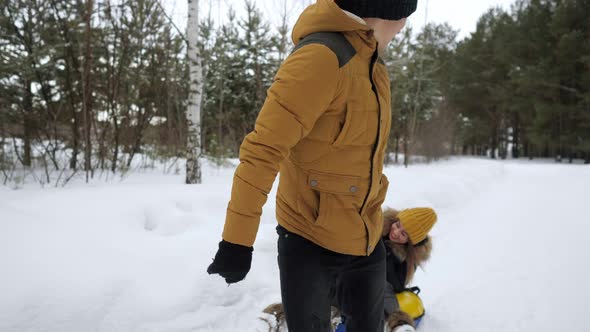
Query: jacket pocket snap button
x: 353, y: 189
x: 313, y: 183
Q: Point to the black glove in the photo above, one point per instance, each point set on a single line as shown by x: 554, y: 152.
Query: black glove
x: 231, y: 262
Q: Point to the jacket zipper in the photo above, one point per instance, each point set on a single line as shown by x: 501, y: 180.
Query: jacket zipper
x: 374, y: 88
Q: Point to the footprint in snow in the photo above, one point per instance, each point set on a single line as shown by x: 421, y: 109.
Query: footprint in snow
x: 170, y: 219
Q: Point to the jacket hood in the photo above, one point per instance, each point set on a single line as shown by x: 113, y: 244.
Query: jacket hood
x: 324, y: 16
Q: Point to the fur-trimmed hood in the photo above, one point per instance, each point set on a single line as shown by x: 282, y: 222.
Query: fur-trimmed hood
x: 422, y: 251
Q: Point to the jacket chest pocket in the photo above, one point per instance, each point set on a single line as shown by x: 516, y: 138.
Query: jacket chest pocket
x: 318, y: 142
x: 328, y: 196
x: 360, y: 123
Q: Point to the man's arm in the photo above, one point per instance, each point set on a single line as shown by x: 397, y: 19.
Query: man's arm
x: 304, y: 87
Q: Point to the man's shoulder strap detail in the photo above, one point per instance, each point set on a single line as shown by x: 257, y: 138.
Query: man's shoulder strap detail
x: 335, y: 41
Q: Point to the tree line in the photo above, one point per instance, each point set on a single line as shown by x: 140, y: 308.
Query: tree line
x: 519, y: 86
x: 90, y: 85
x: 93, y: 84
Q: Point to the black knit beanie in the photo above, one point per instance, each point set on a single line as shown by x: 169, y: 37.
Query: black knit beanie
x: 385, y: 9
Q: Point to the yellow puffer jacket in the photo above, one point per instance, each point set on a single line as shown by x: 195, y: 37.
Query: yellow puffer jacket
x: 324, y: 126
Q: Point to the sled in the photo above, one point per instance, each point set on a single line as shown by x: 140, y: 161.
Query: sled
x: 409, y: 302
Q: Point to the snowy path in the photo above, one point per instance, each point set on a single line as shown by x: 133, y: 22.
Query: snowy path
x: 515, y: 258
x: 131, y: 256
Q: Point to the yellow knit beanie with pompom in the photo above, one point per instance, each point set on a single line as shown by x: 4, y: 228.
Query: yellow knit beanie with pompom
x: 417, y: 222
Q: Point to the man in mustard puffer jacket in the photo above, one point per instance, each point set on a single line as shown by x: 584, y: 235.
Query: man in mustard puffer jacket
x: 324, y: 127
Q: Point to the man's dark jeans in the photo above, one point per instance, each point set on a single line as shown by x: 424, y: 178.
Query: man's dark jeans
x: 313, y: 278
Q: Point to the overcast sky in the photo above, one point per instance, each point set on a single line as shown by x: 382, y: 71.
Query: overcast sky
x: 460, y: 14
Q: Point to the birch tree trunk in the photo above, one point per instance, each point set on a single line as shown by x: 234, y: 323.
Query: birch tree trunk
x: 193, y: 114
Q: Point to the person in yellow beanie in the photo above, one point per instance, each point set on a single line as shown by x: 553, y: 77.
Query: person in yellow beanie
x: 408, y: 245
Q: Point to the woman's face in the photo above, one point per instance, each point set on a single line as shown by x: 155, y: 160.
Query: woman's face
x: 397, y: 233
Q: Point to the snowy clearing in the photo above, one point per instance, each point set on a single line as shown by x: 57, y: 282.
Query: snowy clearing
x: 131, y: 256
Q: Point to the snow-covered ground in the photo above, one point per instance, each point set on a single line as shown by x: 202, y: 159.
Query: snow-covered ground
x: 131, y: 256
